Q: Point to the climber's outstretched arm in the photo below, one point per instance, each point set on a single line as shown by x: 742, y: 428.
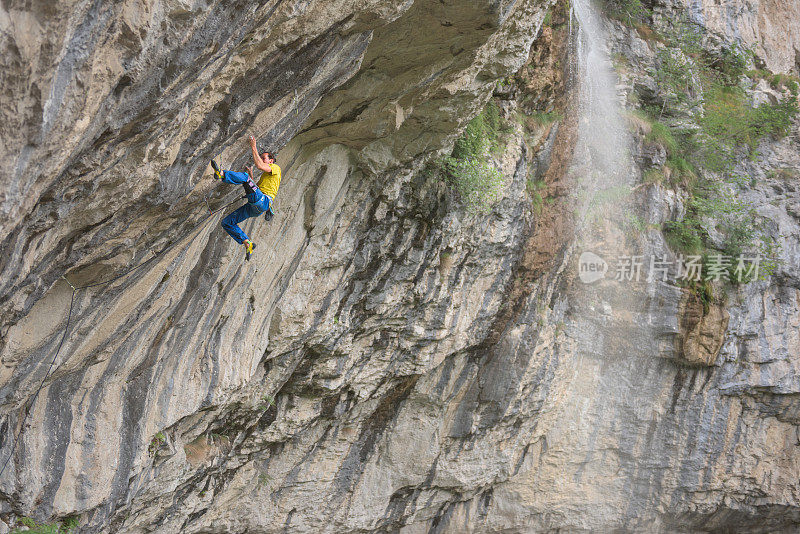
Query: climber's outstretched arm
x: 260, y: 163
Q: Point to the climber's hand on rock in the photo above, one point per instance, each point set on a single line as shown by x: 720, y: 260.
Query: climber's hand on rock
x: 252, y: 141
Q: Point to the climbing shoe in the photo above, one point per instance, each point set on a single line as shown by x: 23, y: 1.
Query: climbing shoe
x: 217, y: 172
x: 249, y: 247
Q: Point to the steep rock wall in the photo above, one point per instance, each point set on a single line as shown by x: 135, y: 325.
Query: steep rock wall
x: 179, y: 355
x: 390, y: 362
x: 770, y: 28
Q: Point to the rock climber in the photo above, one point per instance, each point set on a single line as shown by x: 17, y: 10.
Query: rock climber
x: 259, y: 197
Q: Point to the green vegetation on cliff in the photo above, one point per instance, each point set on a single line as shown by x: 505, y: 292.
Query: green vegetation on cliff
x: 707, y: 122
x: 32, y: 527
x: 480, y: 135
x: 476, y: 180
x: 630, y: 12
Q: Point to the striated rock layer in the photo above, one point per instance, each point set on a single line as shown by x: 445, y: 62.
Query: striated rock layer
x: 387, y: 362
x: 116, y: 110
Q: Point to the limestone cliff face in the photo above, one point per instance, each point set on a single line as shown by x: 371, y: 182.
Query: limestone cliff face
x: 770, y: 28
x: 161, y: 387
x: 388, y: 361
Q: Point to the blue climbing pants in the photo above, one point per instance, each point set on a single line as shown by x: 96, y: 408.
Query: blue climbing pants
x: 257, y: 203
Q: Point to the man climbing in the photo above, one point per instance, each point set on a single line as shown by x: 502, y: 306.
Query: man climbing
x: 259, y: 197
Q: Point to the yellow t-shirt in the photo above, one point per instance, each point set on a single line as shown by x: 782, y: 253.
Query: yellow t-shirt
x: 269, y: 182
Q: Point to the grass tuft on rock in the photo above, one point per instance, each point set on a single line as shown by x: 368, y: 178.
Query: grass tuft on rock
x: 31, y: 526
x: 469, y: 169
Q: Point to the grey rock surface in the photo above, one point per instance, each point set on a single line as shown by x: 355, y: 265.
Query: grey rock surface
x: 388, y: 361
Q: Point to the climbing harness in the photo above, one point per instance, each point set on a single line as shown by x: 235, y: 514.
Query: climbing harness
x: 75, y: 290
x: 249, y: 186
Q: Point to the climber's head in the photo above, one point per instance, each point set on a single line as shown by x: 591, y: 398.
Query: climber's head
x: 268, y: 158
